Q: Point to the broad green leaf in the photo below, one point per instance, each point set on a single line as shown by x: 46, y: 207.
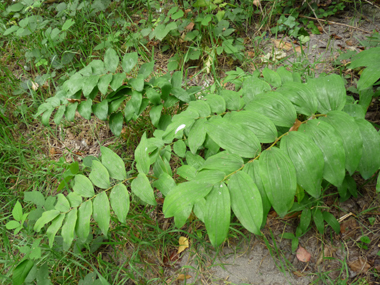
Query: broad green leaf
x: 246, y: 201
x: 216, y: 103
x: 12, y: 225
x: 286, y: 76
x: 187, y: 172
x: 111, y: 60
x: 137, y: 83
x: 17, y: 211
x: 43, y: 275
x: 355, y: 110
x: 53, y: 228
x: 259, y: 124
x: 218, y: 214
x: 89, y: 84
x: 279, y: 179
x: 84, y: 109
x: 59, y: 115
x: 305, y: 220
x: 116, y: 123
x: 272, y: 77
x: 252, y: 169
x: 101, y: 212
x: 330, y: 92
x: 146, y: 69
x: 104, y: 82
x: 223, y: 161
x: 369, y: 77
x: 165, y: 183
x: 136, y: 101
x: 201, y: 107
x: 117, y: 80
x: 155, y: 114
x: 45, y: 218
x: 237, y: 139
x: 68, y: 24
x: 367, y: 57
x: 180, y: 217
x: 129, y: 61
x: 120, y: 202
x: 45, y: 119
x: 142, y: 155
x: 68, y: 228
x: 332, y: 221
x: 23, y: 268
x: 303, y: 99
x: 99, y: 175
x: 232, y: 98
x: 307, y: 159
x: 83, y: 186
x: 370, y: 160
x: 252, y: 87
x: 195, y: 161
x: 318, y: 220
x: 35, y: 197
x: 113, y: 163
x: 101, y: 110
x: 70, y: 111
x: 179, y: 147
x: 274, y: 106
x: 82, y: 228
x: 352, y: 140
x: 200, y: 209
x: 378, y: 184
x: 197, y: 135
x: 331, y: 145
x: 141, y: 188
x: 180, y: 94
x: 153, y: 96
x: 63, y: 204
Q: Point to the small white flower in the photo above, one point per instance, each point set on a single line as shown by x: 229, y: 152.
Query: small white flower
x: 180, y: 128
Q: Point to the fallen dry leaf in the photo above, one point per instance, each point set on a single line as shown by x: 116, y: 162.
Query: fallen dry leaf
x: 251, y: 54
x: 359, y: 265
x: 35, y: 86
x: 348, y: 224
x: 298, y: 274
x: 349, y: 43
x: 183, y: 277
x: 295, y: 126
x: 190, y: 26
x: 320, y: 29
x: 299, y: 49
x: 282, y: 45
x: 183, y: 244
x: 335, y: 36
x: 256, y: 3
x: 303, y: 255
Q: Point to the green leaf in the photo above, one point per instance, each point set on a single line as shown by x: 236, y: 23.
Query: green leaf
x: 70, y: 111
x: 232, y: 98
x: 111, y: 60
x: 369, y: 77
x: 332, y: 221
x: 113, y: 163
x: 187, y: 172
x: 63, y: 204
x: 161, y: 32
x: 272, y: 77
x: 45, y: 119
x: 84, y: 109
x: 82, y: 228
x: 180, y: 217
x: 12, y: 225
x: 259, y: 124
x: 352, y: 140
x: 104, y: 82
x: 246, y: 201
x: 253, y: 86
x: 99, y: 175
x: 237, y: 139
x: 153, y: 96
x: 89, y: 84
x: 83, y: 186
x: 197, y: 135
x: 43, y: 275
x: 129, y: 61
x: 318, y: 220
x: 137, y: 83
x: 216, y: 103
x: 200, y: 209
x: 223, y: 161
x: 101, y: 110
x: 142, y: 189
x: 17, y: 211
x: 120, y: 201
x: 355, y: 110
x: 195, y: 161
x: 165, y: 183
x: 179, y: 147
x: 378, y: 184
x: 301, y: 96
x: 218, y: 214
x: 331, y: 145
x: 146, y: 69
x: 286, y: 76
x: 68, y: 228
x: 279, y: 179
x: 101, y: 211
x: 117, y: 80
x: 180, y: 94
x: 142, y: 155
x: 307, y: 159
x: 22, y: 269
x: 116, y: 123
x: 370, y: 160
x: 367, y: 57
x: 53, y: 228
x: 59, y: 115
x: 330, y: 92
x: 305, y: 220
x: 274, y: 106
x: 44, y: 219
x: 201, y: 107
x: 155, y: 114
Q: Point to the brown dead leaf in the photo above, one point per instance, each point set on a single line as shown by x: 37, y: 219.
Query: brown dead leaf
x: 183, y: 277
x: 256, y: 3
x: 35, y: 86
x: 359, y: 265
x: 349, y: 43
x: 295, y: 126
x: 190, y: 26
x: 320, y: 29
x: 299, y: 49
x: 52, y: 151
x: 183, y: 244
x: 282, y: 45
x: 303, y: 255
x: 251, y: 54
x: 348, y: 224
x: 298, y: 274
x: 335, y: 36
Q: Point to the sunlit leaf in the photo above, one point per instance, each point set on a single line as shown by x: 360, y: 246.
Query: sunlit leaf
x: 120, y: 202
x: 99, y: 175
x: 101, y: 212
